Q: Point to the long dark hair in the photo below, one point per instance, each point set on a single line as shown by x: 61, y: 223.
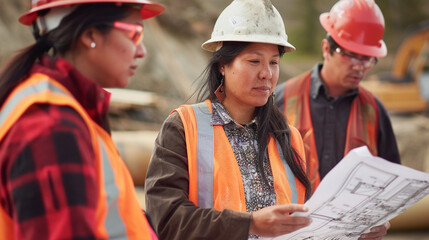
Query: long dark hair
x: 59, y: 40
x: 271, y: 121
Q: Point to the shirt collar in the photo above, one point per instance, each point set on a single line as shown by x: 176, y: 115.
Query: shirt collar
x: 318, y: 87
x: 93, y: 98
x: 220, y: 116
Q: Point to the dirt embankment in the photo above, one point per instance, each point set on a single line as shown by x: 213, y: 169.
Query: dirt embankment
x: 412, y: 134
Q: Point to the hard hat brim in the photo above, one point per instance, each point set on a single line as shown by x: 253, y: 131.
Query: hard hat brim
x: 149, y: 9
x: 213, y: 44
x: 367, y: 50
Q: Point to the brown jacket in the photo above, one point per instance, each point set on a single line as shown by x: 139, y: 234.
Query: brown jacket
x: 167, y: 202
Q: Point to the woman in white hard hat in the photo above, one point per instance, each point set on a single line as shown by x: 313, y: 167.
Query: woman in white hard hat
x: 61, y: 175
x: 230, y: 167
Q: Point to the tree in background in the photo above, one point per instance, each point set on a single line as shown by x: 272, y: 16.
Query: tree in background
x: 402, y: 17
x: 309, y: 32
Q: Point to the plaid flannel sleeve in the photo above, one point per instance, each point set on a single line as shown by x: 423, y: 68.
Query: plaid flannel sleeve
x: 50, y: 176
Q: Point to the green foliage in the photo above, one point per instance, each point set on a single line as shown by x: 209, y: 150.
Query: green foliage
x: 401, y: 17
x: 309, y: 17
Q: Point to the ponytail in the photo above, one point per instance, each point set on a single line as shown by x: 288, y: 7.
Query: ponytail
x: 19, y: 66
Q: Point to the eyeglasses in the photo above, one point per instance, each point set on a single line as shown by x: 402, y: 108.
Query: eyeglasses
x: 365, y: 61
x: 135, y: 31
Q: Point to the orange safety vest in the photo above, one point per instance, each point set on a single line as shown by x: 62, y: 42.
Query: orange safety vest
x: 214, y: 175
x: 118, y: 213
x: 361, y: 128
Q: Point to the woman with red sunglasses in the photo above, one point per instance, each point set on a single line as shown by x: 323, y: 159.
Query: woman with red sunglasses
x: 61, y: 175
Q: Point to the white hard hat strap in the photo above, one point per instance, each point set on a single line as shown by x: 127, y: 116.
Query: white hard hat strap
x: 53, y: 18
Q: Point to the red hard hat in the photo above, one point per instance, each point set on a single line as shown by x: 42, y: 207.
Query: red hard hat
x: 356, y: 25
x: 148, y: 10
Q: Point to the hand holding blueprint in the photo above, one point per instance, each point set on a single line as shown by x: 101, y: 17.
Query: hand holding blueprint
x: 361, y: 192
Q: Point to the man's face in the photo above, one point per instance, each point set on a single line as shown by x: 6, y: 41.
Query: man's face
x: 343, y: 70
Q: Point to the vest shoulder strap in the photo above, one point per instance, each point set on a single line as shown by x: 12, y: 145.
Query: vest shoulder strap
x: 205, y: 154
x: 289, y: 174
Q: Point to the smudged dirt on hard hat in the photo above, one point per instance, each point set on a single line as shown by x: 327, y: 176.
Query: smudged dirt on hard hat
x: 269, y: 8
x: 250, y: 6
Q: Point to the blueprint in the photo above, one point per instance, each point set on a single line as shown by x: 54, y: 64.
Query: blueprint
x: 361, y: 192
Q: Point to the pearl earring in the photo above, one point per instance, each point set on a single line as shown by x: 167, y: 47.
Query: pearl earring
x: 93, y: 45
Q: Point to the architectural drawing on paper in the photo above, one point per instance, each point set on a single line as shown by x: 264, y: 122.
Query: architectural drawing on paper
x: 372, y: 194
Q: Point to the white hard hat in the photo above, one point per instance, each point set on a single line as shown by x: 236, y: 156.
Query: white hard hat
x: 249, y: 21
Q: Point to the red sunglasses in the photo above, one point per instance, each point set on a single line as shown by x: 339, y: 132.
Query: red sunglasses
x: 135, y: 31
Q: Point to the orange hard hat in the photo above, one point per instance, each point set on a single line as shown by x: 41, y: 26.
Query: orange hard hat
x: 356, y: 25
x: 149, y: 9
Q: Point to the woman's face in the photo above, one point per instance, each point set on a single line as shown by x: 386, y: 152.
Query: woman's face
x: 114, y: 58
x: 251, y: 77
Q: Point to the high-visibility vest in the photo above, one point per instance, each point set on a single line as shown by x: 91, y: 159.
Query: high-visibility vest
x: 118, y: 213
x: 362, y: 126
x: 214, y: 176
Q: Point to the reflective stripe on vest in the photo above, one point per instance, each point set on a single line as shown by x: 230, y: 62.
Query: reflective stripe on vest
x: 205, y: 147
x: 205, y: 158
x: 16, y: 99
x: 290, y: 176
x: 114, y: 224
x: 110, y: 222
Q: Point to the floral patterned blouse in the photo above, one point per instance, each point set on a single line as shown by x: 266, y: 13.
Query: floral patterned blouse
x: 243, y: 139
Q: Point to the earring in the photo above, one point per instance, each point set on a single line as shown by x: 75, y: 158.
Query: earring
x: 92, y: 45
x: 220, y: 93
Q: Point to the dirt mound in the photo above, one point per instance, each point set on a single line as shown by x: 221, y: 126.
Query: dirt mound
x: 412, y: 134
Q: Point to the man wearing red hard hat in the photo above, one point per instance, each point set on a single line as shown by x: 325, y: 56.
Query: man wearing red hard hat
x: 333, y: 113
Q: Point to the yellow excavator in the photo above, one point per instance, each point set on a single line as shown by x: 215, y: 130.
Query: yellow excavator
x: 406, y: 87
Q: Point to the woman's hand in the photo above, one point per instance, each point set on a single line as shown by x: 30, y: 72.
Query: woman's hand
x: 275, y: 220
x: 376, y: 233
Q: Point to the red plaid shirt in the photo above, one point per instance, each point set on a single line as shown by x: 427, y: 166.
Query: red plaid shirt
x: 47, y: 178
